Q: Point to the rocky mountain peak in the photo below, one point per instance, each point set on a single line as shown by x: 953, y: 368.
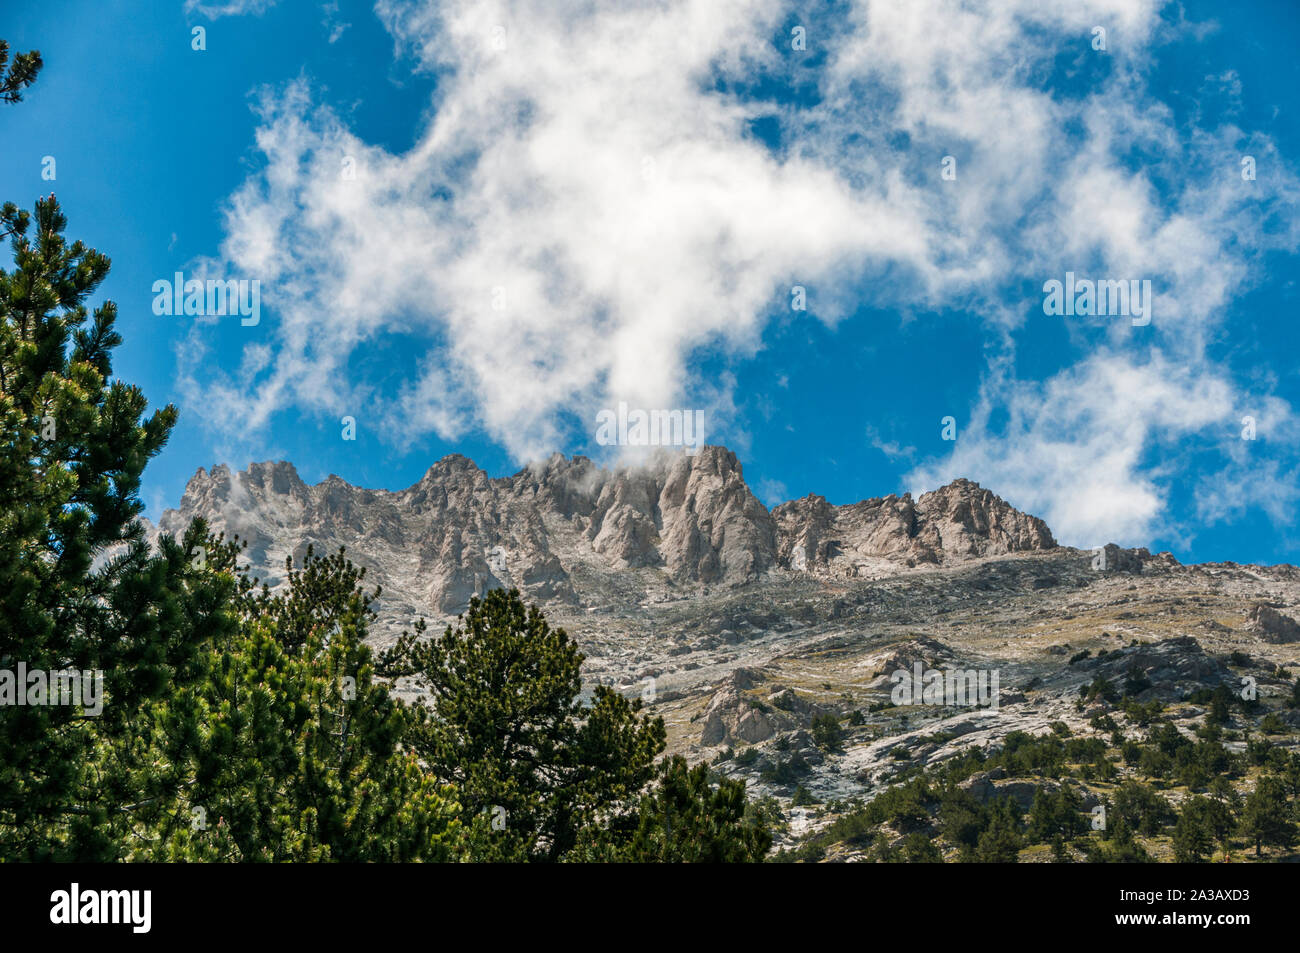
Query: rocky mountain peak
x: 451, y: 467
x: 971, y: 520
x: 958, y: 521
x: 279, y: 477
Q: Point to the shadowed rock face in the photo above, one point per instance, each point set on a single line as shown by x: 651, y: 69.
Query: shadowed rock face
x: 556, y: 527
x: 1272, y: 625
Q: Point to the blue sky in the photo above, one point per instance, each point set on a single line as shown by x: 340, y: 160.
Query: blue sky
x: 644, y: 188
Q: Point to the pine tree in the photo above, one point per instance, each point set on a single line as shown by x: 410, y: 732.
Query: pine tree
x: 685, y: 817
x: 79, y: 587
x: 826, y: 732
x: 233, y: 725
x: 1193, y: 833
x: 1220, y: 710
x: 22, y: 73
x: 1001, y: 841
x: 287, y: 749
x: 1122, y: 847
x: 509, y: 730
x: 1060, y: 853
x: 1141, y: 808
x: 1266, y: 817
x: 919, y: 849
x: 1056, y: 813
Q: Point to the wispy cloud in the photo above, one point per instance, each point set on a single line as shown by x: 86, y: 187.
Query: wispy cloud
x: 892, y: 449
x: 229, y: 8
x: 771, y: 492
x: 333, y: 23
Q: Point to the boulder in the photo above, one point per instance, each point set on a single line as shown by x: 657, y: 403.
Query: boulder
x: 1271, y: 625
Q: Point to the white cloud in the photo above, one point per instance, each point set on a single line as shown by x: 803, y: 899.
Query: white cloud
x: 333, y: 23
x: 587, y: 211
x: 229, y: 8
x: 607, y: 219
x: 892, y: 449
x: 771, y: 492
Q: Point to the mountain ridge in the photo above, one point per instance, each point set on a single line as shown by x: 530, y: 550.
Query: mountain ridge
x: 682, y: 521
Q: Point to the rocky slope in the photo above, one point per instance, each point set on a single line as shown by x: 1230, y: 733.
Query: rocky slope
x: 742, y: 626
